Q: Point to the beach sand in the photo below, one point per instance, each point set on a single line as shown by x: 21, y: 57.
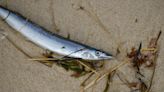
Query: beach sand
x: 103, y: 24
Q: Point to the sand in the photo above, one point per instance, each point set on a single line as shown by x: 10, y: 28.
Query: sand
x: 103, y: 24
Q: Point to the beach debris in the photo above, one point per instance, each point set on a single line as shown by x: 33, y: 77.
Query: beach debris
x: 109, y: 80
x: 145, y: 57
x: 140, y: 57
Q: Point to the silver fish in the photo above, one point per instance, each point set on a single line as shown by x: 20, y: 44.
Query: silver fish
x: 49, y: 41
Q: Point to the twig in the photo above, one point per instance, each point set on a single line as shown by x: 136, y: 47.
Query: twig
x: 123, y: 79
x: 135, y: 60
x: 43, y: 59
x: 83, y: 83
x: 158, y: 36
x: 108, y: 81
x: 148, y: 49
x: 88, y: 67
x: 155, y: 61
x: 92, y: 82
x: 98, y: 78
x: 152, y: 77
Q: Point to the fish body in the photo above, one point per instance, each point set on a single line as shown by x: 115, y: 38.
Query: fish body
x: 49, y: 41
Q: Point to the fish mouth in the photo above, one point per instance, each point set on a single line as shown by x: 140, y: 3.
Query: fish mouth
x: 106, y: 57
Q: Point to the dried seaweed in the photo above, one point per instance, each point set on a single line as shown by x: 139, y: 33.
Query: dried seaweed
x: 148, y: 58
x: 136, y: 61
x: 109, y: 79
x: 143, y: 86
x: 122, y: 77
x: 107, y: 72
x: 132, y: 53
x: 155, y: 59
x: 138, y: 57
x: 78, y: 66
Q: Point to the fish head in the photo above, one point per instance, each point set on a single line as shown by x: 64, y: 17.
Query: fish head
x: 92, y: 54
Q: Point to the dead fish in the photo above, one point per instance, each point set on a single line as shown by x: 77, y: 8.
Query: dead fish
x: 51, y: 41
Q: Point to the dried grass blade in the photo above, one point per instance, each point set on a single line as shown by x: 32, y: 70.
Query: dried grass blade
x: 43, y: 59
x: 98, y: 78
x: 88, y: 67
x: 108, y: 81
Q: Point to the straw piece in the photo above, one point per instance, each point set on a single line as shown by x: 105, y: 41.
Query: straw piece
x: 88, y: 67
x: 42, y: 59
x: 98, y: 78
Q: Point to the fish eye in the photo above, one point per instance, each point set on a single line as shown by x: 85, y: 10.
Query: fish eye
x: 97, y: 53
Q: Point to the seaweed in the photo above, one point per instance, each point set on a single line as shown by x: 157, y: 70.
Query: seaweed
x: 109, y: 79
x: 146, y: 57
